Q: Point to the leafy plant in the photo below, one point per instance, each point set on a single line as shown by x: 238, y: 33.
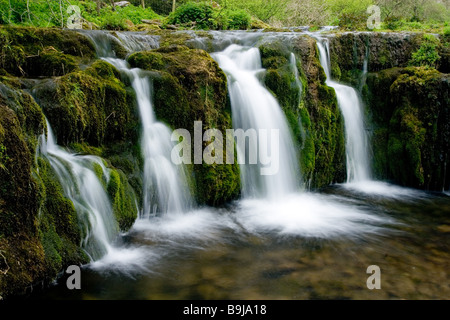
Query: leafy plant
x: 239, y: 19
x: 199, y: 13
x: 427, y: 54
x: 446, y: 31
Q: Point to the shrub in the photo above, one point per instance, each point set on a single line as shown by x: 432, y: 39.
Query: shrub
x: 238, y: 20
x: 446, y: 31
x: 352, y: 21
x: 114, y: 22
x: 393, y: 23
x: 427, y: 54
x: 200, y: 13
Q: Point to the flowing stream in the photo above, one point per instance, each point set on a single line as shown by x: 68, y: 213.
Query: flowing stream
x: 277, y: 242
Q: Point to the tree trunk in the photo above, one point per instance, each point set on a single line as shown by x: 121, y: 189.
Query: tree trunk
x: 174, y: 5
x: 143, y: 4
x: 98, y: 6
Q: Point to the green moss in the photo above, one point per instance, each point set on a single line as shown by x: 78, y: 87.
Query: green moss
x: 148, y: 60
x: 50, y: 62
x: 21, y: 249
x: 89, y: 106
x: 42, y: 51
x: 123, y: 199
x: 411, y: 133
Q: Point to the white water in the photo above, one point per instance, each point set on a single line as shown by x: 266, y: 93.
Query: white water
x: 166, y: 185
x: 298, y: 83
x: 84, y: 189
x: 254, y: 108
x: 357, y: 150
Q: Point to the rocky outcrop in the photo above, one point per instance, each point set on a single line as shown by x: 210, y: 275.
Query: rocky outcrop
x: 410, y: 116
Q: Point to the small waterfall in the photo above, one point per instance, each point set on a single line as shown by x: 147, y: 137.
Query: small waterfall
x: 105, y: 42
x: 82, y: 186
x: 166, y: 185
x: 298, y: 83
x: 365, y: 69
x: 357, y: 153
x: 254, y: 108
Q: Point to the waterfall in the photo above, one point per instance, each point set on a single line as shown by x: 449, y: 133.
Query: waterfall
x: 165, y: 184
x: 82, y: 186
x: 254, y: 108
x: 357, y: 153
x: 298, y: 83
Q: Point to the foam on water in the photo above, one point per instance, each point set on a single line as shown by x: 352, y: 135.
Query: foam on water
x: 307, y: 215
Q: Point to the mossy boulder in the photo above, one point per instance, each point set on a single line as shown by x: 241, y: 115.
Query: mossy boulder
x: 189, y: 86
x: 34, y: 52
x: 411, y: 124
x: 87, y: 106
x: 38, y: 229
x: 123, y: 199
x: 348, y: 51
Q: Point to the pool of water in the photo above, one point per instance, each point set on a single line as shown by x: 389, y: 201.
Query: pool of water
x: 315, y: 245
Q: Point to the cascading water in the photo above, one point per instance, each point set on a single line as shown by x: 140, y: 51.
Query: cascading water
x: 82, y: 186
x: 298, y: 83
x: 254, y: 108
x: 166, y: 185
x: 357, y: 151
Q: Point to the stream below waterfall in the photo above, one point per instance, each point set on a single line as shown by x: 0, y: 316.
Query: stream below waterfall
x: 309, y: 246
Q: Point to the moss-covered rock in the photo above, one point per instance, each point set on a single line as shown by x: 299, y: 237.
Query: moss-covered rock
x: 33, y: 52
x: 21, y: 253
x: 411, y: 124
x: 189, y: 86
x: 123, y: 199
x: 382, y: 51
x: 87, y: 106
x: 39, y: 230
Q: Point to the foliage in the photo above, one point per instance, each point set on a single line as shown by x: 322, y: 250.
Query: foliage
x: 427, y: 54
x: 238, y: 19
x: 265, y: 10
x: 446, y: 31
x: 199, y: 13
x: 229, y: 14
x: 46, y: 13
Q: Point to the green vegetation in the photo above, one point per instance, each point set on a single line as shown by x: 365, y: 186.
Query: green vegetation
x: 427, y: 54
x: 429, y: 15
x: 409, y: 110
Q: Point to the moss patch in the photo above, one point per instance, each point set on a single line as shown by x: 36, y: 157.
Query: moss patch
x: 409, y: 109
